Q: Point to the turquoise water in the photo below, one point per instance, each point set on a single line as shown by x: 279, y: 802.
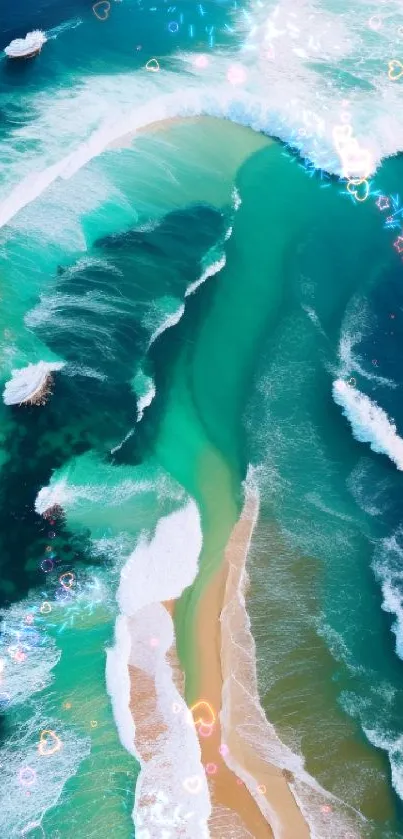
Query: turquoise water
x: 218, y: 302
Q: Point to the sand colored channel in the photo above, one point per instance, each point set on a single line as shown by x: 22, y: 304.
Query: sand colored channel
x: 263, y: 807
x: 219, y: 659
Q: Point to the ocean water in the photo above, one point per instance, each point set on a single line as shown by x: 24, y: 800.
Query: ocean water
x: 219, y: 295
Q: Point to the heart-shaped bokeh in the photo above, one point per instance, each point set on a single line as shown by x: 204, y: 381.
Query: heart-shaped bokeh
x: 193, y: 784
x: 395, y: 70
x: 359, y: 188
x: 152, y: 65
x: 49, y: 743
x: 104, y: 6
x: 203, y: 714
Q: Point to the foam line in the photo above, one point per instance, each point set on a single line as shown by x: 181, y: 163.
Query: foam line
x: 369, y: 423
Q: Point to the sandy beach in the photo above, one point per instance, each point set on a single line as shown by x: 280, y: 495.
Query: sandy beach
x: 247, y: 792
x: 228, y: 682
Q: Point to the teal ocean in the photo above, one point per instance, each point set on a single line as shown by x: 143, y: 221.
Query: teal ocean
x: 217, y: 295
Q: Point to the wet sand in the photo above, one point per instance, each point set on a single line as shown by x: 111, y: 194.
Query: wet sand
x: 228, y: 679
x: 126, y: 140
x: 249, y: 795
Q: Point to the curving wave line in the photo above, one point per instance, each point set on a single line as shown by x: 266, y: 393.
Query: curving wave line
x: 369, y: 423
x: 28, y: 381
x: 156, y: 571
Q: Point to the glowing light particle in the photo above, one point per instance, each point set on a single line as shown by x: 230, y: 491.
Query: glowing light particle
x: 47, y: 565
x: 27, y: 776
x: 205, y: 730
x: 326, y: 809
x: 152, y: 65
x: 201, y: 61
x: 66, y: 580
x: 375, y: 22
x: 262, y: 789
x: 211, y: 768
x: 236, y: 74
x: 398, y: 244
x: 224, y: 750
x: 193, y: 784
x: 382, y: 202
x: 207, y: 718
x: 19, y: 656
x: 395, y: 70
x: 49, y: 743
x: 359, y: 195
x: 104, y: 6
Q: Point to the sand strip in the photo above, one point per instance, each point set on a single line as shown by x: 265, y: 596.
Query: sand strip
x: 221, y: 616
x: 250, y: 796
x: 247, y: 733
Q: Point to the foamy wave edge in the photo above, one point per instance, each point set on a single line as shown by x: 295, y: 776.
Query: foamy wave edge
x: 242, y: 108
x: 144, y: 633
x: 369, y: 423
x: 310, y: 797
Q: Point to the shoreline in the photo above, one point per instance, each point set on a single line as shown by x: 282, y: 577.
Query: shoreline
x: 247, y: 792
x: 264, y: 800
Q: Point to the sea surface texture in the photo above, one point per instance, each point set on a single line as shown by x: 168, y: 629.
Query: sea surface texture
x: 201, y: 244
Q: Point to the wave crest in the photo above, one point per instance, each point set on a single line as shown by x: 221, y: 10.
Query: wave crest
x: 369, y: 423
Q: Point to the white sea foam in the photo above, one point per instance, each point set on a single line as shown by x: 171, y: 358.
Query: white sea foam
x: 118, y: 684
x: 25, y: 669
x: 28, y: 380
x: 159, y: 570
x: 33, y: 42
x: 46, y: 312
x: 145, y: 401
x: 144, y: 389
x: 68, y: 495
x: 370, y: 424
x: 393, y: 746
x: 314, y: 318
x: 71, y: 369
x: 171, y: 311
x: 27, y: 657
x: 125, y: 439
x: 236, y: 198
x: 388, y: 567
x: 357, y: 324
x: 24, y: 770
x: 54, y: 33
x: 368, y: 491
x: 165, y: 566
x: 209, y: 271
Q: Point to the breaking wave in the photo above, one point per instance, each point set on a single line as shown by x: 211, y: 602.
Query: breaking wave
x: 28, y: 381
x: 158, y: 570
x: 369, y: 423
